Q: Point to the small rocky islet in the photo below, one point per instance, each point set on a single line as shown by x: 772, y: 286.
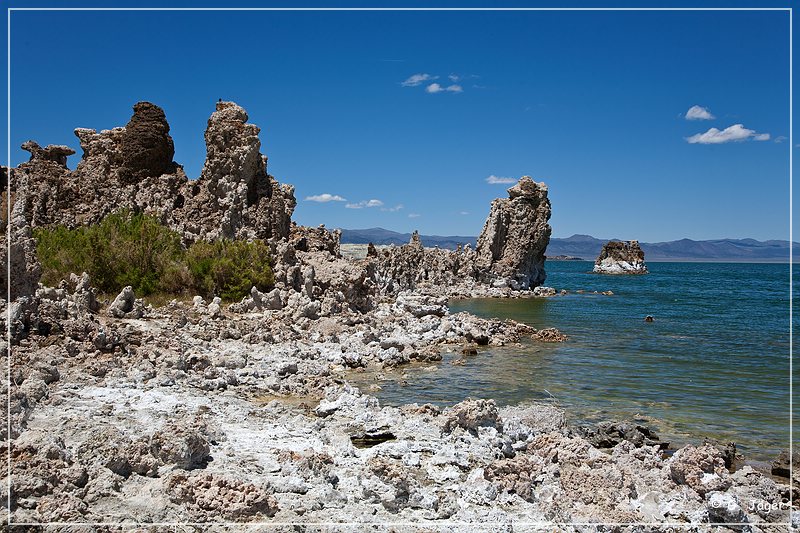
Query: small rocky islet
x: 203, y: 412
x: 620, y: 257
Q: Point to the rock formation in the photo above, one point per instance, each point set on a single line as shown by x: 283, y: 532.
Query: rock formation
x: 234, y: 196
x: 618, y: 257
x: 25, y: 269
x: 162, y: 447
x: 131, y: 167
x: 510, y: 252
x: 512, y: 245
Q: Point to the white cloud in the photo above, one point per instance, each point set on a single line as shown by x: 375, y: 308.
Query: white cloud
x: 436, y: 88
x: 497, y: 180
x: 418, y: 79
x: 737, y: 132
x: 365, y: 203
x: 454, y: 77
x: 414, y: 215
x: 325, y: 198
x: 398, y: 207
x: 463, y: 212
x: 779, y: 139
x: 697, y: 112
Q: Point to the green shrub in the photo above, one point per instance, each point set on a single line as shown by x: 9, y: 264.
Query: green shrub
x: 230, y: 268
x: 124, y: 249
x: 135, y: 249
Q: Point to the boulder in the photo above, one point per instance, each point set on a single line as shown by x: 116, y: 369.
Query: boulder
x: 782, y: 467
x: 125, y: 305
x: 472, y: 414
x: 608, y: 434
x: 700, y: 468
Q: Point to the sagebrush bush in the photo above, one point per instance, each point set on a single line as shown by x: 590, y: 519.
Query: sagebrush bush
x: 230, y: 268
x: 135, y: 249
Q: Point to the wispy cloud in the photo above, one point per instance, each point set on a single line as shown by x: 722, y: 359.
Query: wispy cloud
x: 325, y: 198
x: 431, y: 86
x: 418, y: 79
x: 779, y: 139
x: 499, y: 180
x: 463, y: 212
x: 414, y: 215
x: 365, y: 203
x: 697, y: 112
x: 398, y: 207
x: 436, y: 88
x: 734, y: 133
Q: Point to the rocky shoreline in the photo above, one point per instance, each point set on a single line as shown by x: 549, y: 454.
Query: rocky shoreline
x: 189, y: 414
x: 202, y: 412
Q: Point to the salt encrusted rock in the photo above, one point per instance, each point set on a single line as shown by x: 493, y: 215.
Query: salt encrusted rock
x: 512, y: 245
x: 724, y: 508
x: 549, y: 335
x: 544, y: 292
x: 701, y: 468
x: 533, y: 419
x: 209, y: 497
x: 108, y: 447
x: 412, y: 266
x: 125, y: 305
x: 181, y: 445
x: 517, y: 475
x: 472, y: 414
x: 420, y: 305
x: 618, y: 257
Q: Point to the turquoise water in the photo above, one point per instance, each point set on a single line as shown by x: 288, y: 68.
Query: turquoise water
x: 715, y: 362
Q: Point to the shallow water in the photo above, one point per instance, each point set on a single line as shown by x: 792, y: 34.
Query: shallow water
x: 715, y: 362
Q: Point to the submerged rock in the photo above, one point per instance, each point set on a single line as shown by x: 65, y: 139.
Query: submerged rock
x: 618, y: 257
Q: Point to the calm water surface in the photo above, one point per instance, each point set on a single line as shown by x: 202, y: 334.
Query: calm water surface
x: 714, y: 363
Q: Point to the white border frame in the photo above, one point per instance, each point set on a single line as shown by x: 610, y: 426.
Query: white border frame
x: 434, y: 524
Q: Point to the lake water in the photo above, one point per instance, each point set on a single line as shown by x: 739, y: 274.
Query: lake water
x: 715, y: 362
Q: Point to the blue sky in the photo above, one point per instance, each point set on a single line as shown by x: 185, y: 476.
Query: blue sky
x: 592, y: 103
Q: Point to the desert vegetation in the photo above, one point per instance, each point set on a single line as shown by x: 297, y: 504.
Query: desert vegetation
x: 135, y: 249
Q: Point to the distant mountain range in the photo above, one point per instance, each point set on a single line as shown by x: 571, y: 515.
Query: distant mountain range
x: 380, y: 236
x: 588, y: 247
